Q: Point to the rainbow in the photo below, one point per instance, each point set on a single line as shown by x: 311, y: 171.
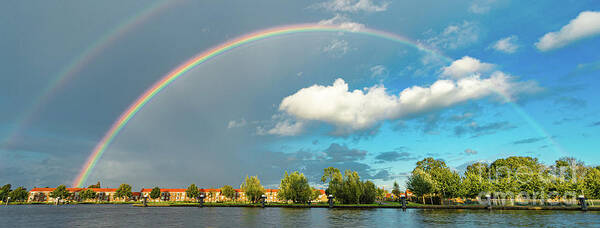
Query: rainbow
x: 83, y: 59
x: 142, y: 100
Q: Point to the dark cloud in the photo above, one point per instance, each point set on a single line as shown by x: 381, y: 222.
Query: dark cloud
x: 476, y: 130
x: 392, y: 156
x: 595, y: 124
x: 341, y: 153
x: 529, y: 140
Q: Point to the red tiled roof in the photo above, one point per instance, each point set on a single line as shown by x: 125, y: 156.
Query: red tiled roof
x: 322, y: 191
x: 271, y: 190
x: 75, y: 189
x: 210, y: 190
x: 165, y: 190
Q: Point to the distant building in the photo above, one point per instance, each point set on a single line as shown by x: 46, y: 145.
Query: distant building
x: 102, y: 194
x: 166, y: 195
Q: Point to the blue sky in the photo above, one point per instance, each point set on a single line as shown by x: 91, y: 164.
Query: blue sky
x: 520, y: 81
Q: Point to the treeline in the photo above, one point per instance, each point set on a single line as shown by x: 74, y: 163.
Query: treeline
x: 18, y: 194
x: 512, y: 177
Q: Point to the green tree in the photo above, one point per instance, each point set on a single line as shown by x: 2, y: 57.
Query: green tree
x: 124, y: 191
x: 97, y: 185
x: 316, y: 193
x: 87, y: 194
x: 294, y: 187
x: 335, y: 181
x: 420, y: 183
x: 475, y: 181
x: 592, y: 183
x: 228, y: 192
x: 396, y: 190
x: 192, y: 192
x: 60, y: 191
x: 381, y: 193
x: 4, y: 192
x: 251, y: 186
x: 155, y: 193
x: 19, y: 194
x: 369, y: 192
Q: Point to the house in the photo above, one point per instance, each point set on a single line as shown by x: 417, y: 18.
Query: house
x: 102, y: 194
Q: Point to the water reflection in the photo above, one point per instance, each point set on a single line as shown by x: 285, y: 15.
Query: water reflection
x: 127, y: 216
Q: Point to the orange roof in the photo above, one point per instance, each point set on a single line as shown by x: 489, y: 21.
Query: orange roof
x: 165, y: 190
x: 322, y: 191
x: 210, y: 190
x: 75, y: 189
x: 271, y: 190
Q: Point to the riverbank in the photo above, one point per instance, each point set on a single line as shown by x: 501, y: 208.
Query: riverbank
x: 392, y: 205
x: 370, y: 206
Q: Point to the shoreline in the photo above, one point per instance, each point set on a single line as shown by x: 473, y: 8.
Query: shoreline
x: 339, y: 206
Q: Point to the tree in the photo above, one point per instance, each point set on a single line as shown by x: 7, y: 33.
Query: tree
x: 348, y: 189
x: 228, y: 192
x: 97, y: 185
x: 87, y: 194
x: 155, y: 193
x: 124, y: 191
x: 420, y: 183
x: 335, y: 181
x: 381, y: 193
x: 369, y: 192
x: 19, y: 194
x: 592, y: 183
x: 251, y: 186
x: 295, y: 187
x: 192, y: 192
x: 396, y: 190
x: 316, y: 193
x: 4, y: 191
x: 475, y: 181
x: 60, y: 191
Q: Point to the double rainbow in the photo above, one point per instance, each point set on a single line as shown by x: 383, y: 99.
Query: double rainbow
x: 211, y: 53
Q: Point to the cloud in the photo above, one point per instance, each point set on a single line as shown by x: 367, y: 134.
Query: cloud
x: 336, y: 48
x: 343, y: 22
x: 470, y: 152
x: 585, y: 25
x: 506, y: 45
x: 341, y: 153
x: 528, y: 140
x: 284, y: 128
x: 585, y: 68
x: 392, y: 156
x: 481, y: 6
x: 362, y: 109
x: 353, y: 6
x: 233, y: 123
x: 378, y: 70
x: 455, y: 36
x: 595, y: 124
x: 477, y: 130
x: 466, y: 66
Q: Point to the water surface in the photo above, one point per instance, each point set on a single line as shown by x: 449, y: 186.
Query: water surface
x: 129, y: 216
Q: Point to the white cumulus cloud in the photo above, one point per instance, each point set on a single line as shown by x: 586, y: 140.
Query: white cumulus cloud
x: 353, y: 6
x: 283, y: 128
x: 466, y: 66
x: 343, y: 22
x: 455, y: 36
x: 585, y: 25
x: 233, y: 123
x: 506, y: 45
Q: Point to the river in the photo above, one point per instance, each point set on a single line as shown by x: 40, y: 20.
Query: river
x: 129, y: 216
